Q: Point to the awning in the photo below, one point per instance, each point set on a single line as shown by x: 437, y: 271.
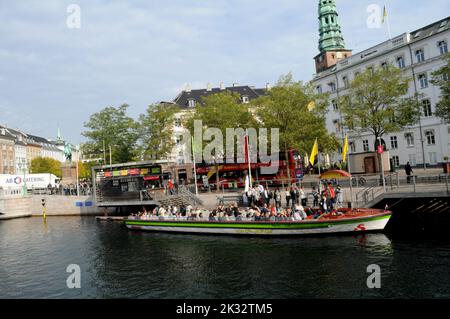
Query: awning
x: 337, y: 174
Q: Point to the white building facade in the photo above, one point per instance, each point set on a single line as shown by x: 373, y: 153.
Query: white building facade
x: 418, y: 54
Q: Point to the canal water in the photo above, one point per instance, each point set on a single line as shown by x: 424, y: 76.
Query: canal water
x: 117, y: 263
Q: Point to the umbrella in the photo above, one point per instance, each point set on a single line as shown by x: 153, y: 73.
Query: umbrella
x: 335, y: 174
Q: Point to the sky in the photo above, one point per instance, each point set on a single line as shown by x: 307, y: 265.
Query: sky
x: 142, y: 52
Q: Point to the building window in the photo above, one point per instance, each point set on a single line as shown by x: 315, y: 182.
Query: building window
x: 335, y: 105
x: 423, y: 81
x: 426, y: 105
x: 409, y: 139
x: 191, y: 103
x: 443, y: 47
x: 431, y: 138
x: 420, y: 56
x: 319, y: 89
x: 396, y: 160
x: 245, y: 99
x: 366, y: 145
x: 394, y: 143
x: 352, y: 147
x: 332, y: 86
x: 433, y: 158
x: 346, y: 82
x: 401, y: 62
x: 337, y: 126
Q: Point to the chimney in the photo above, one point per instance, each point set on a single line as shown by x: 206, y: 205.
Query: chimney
x: 222, y: 86
x: 235, y: 84
x: 188, y: 88
x: 209, y: 87
x: 268, y: 86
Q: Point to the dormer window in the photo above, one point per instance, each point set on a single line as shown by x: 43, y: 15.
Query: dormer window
x: 191, y: 103
x: 245, y: 99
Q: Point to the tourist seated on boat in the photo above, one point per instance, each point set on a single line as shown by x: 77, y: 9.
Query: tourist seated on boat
x: 297, y: 216
x: 301, y: 211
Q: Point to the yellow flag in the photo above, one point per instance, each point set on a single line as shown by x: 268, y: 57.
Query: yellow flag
x: 385, y: 14
x: 345, y: 149
x: 314, y: 153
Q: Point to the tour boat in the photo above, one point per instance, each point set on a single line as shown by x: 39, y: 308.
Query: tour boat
x: 345, y: 221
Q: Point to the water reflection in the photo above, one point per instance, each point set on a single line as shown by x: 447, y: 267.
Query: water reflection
x: 118, y: 263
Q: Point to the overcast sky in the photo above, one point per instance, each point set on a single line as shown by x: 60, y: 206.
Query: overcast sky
x: 141, y: 52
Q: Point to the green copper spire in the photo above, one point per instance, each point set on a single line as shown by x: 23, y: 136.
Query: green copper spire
x: 329, y: 28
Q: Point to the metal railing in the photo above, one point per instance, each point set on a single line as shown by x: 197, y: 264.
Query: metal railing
x: 405, y: 184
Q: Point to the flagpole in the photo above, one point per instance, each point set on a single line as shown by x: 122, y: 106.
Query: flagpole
x: 318, y: 164
x: 347, y: 157
x: 386, y: 18
x: 195, y: 168
x: 248, y: 159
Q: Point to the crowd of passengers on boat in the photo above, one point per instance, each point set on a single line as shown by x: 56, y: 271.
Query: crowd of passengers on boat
x: 263, y: 207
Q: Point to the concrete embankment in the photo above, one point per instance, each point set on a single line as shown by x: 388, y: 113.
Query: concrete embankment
x: 15, y: 207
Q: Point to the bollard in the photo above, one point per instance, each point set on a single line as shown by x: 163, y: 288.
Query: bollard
x: 43, y: 210
x: 414, y: 182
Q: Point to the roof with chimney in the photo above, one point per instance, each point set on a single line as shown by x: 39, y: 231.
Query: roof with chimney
x: 182, y: 100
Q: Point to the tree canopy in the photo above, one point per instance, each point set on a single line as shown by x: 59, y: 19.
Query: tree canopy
x: 156, y: 131
x: 441, y: 79
x: 111, y: 127
x: 299, y: 113
x: 40, y: 165
x: 376, y: 102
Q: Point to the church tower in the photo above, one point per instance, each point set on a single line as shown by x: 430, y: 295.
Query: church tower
x: 331, y: 42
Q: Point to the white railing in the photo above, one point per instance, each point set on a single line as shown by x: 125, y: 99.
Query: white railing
x: 11, y: 192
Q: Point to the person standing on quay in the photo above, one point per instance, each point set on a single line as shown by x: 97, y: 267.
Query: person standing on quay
x: 408, y: 171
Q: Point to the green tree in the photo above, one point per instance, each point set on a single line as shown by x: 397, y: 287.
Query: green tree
x: 40, y: 165
x: 376, y: 102
x: 111, y: 127
x: 156, y: 131
x: 299, y: 113
x: 222, y: 110
x: 84, y: 169
x: 441, y: 79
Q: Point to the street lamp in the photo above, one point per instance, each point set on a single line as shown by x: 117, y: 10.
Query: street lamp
x: 24, y: 188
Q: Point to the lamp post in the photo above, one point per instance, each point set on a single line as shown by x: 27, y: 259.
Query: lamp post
x: 24, y: 187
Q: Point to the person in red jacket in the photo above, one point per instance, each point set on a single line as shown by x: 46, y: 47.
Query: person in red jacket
x: 332, y: 196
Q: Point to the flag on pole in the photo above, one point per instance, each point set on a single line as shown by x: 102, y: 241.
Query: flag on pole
x: 345, y: 149
x: 314, y: 153
x: 385, y: 15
